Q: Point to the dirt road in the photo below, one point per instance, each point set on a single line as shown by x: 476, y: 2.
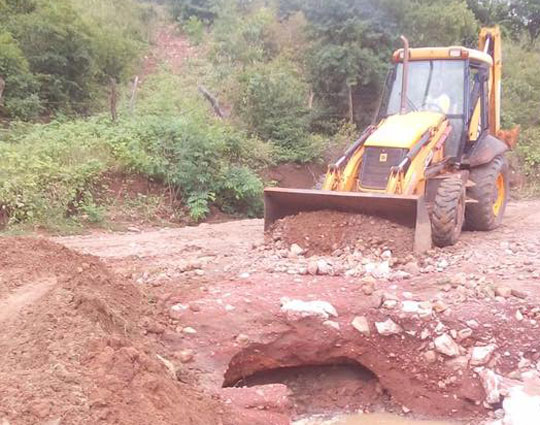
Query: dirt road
x: 196, y: 313
x: 509, y: 255
x: 473, y: 290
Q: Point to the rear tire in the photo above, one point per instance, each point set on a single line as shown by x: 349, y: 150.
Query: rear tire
x: 448, y: 212
x: 491, y: 193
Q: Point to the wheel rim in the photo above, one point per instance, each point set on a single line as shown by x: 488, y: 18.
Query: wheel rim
x: 500, y: 193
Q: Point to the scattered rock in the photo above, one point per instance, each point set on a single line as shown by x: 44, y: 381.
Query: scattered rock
x: 439, y: 306
x: 444, y: 344
x: 312, y: 267
x: 481, y: 355
x: 169, y: 365
x: 423, y: 309
x: 519, y: 294
x: 390, y: 304
x: 388, y: 327
x: 242, y: 339
x: 491, y: 383
x: 522, y: 405
x: 323, y: 267
x: 361, y: 324
x: 332, y: 324
x: 519, y: 316
x: 296, y: 249
x: 378, y: 270
x: 464, y: 334
x: 458, y: 363
x: 430, y: 356
x: 189, y: 330
x: 503, y: 291
x: 185, y: 356
x: 176, y: 311
x: 301, y: 308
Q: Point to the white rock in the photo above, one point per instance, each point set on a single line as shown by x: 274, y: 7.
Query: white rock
x: 444, y: 344
x: 388, y: 327
x: 185, y: 356
x: 423, y: 309
x: 295, y: 308
x: 519, y: 316
x: 361, y: 324
x: 378, y: 270
x: 386, y: 255
x: 189, y: 330
x: 331, y: 324
x: 442, y: 264
x: 491, y: 383
x: 390, y: 304
x: 522, y: 406
x: 244, y: 275
x: 323, y: 268
x: 312, y: 267
x: 296, y: 249
x: 482, y: 355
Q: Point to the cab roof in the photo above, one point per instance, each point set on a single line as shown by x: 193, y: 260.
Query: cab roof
x: 452, y: 52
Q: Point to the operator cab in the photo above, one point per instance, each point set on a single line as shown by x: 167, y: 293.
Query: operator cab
x: 451, y: 81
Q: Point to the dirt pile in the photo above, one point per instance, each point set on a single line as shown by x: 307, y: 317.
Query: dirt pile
x: 72, y: 346
x: 325, y: 232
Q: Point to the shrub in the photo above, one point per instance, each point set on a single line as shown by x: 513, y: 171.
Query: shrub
x: 20, y: 95
x: 273, y: 103
x: 194, y: 28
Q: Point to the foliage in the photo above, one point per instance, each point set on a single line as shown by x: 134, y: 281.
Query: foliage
x: 47, y: 172
x: 194, y: 28
x: 67, y: 51
x: 205, y: 10
x: 20, y: 96
x: 273, y: 104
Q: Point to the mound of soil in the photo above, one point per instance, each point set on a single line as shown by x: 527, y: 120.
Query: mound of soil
x: 73, y: 350
x: 324, y: 232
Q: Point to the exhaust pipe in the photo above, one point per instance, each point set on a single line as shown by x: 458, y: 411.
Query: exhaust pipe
x: 405, y: 79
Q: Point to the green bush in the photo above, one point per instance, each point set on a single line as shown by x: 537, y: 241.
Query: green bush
x: 194, y: 28
x: 48, y: 172
x: 62, y: 54
x: 20, y: 95
x: 273, y: 103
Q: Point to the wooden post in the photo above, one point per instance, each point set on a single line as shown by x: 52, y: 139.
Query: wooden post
x: 113, y: 99
x: 2, y: 87
x: 133, y: 95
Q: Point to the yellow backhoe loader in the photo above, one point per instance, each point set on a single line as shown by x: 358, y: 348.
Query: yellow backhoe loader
x: 432, y: 160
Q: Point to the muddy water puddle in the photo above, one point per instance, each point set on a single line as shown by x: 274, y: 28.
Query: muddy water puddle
x: 370, y: 419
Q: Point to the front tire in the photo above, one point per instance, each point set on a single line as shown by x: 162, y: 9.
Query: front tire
x: 448, y: 212
x: 490, y: 193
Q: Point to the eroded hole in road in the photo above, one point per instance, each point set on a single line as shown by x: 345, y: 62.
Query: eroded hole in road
x: 337, y: 387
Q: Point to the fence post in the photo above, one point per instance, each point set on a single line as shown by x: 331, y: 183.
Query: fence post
x: 133, y: 95
x: 113, y: 99
x: 2, y: 87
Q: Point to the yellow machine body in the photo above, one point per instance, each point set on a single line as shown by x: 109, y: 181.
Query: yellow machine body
x: 418, y: 135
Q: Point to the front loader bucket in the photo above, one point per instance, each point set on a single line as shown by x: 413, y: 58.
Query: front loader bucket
x: 405, y: 210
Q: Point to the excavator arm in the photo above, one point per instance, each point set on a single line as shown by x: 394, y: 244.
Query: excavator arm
x: 490, y: 42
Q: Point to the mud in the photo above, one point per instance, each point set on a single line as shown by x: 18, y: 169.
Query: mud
x: 73, y: 350
x: 82, y: 335
x: 324, y: 232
